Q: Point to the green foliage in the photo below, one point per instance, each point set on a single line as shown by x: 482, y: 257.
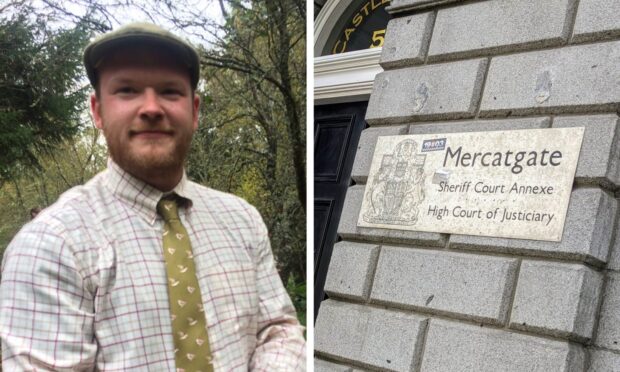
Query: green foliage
x: 251, y: 137
x: 71, y: 163
x: 252, y: 129
x: 297, y: 291
x: 40, y: 94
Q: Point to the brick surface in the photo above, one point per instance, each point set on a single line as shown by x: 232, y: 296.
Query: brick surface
x: 406, y: 40
x: 556, y: 299
x: 449, y: 90
x: 324, y: 366
x: 545, y: 81
x: 608, y: 335
x: 347, y: 228
x: 508, y: 25
x: 599, y: 160
x: 587, y: 232
x: 462, y: 285
x: 366, y: 148
x: 374, y: 337
x: 458, y: 348
x: 604, y: 361
x: 351, y: 269
x: 597, y: 19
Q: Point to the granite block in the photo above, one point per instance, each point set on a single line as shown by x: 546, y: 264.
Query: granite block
x: 599, y: 160
x: 458, y: 347
x: 587, y: 232
x: 487, y: 27
x: 377, y: 338
x: 448, y: 90
x: 608, y: 335
x: 351, y: 270
x: 544, y: 81
x: 406, y: 40
x: 556, y: 299
x: 461, y: 285
x: 597, y: 20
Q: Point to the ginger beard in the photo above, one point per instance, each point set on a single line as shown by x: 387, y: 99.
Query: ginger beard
x: 142, y: 155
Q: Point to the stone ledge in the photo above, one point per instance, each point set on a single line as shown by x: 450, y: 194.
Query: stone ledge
x: 608, y: 335
x: 441, y: 91
x: 458, y: 347
x: 489, y: 27
x: 406, y: 40
x: 603, y: 361
x: 556, y: 299
x: 614, y: 256
x: 325, y: 366
x: 599, y: 161
x: 597, y: 20
x: 466, y: 286
x: 351, y: 269
x: 542, y: 82
x: 377, y: 338
x: 399, y: 6
x: 587, y: 232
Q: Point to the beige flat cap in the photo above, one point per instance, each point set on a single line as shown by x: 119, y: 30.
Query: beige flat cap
x: 140, y: 34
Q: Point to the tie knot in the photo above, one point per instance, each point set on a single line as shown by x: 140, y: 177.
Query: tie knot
x: 168, y: 209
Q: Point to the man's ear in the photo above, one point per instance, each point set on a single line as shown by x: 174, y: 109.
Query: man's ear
x: 95, y: 110
x: 196, y: 109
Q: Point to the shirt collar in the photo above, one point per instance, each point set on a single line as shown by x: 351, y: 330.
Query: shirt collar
x: 139, y: 195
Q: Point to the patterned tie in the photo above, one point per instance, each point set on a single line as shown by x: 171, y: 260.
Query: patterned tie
x: 189, y: 327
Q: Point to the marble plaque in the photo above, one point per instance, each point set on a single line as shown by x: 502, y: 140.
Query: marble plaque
x: 511, y: 184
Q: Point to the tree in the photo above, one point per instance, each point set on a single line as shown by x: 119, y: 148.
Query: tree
x: 72, y: 163
x: 251, y: 139
x: 41, y: 97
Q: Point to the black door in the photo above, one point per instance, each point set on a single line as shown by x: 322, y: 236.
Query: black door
x: 337, y: 130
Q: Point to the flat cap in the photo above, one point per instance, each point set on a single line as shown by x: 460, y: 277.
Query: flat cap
x: 140, y: 34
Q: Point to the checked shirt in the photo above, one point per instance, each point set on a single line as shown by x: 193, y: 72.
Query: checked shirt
x: 84, y: 285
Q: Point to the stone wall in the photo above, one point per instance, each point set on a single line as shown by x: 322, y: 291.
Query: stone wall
x: 418, y: 301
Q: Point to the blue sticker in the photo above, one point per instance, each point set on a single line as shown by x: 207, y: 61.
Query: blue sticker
x: 434, y: 145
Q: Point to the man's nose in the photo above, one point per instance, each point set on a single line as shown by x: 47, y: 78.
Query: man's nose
x: 151, y: 107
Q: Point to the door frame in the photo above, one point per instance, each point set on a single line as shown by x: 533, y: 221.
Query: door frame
x: 338, y: 78
x: 345, y: 77
x: 330, y: 190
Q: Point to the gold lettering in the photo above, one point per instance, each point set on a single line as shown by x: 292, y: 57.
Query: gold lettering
x: 365, y: 8
x: 357, y: 20
x: 348, y: 32
x: 377, y: 38
x: 344, y: 46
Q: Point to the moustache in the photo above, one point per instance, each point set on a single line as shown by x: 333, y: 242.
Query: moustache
x: 136, y: 131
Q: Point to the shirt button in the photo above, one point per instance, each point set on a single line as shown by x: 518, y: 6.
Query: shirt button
x: 237, y: 327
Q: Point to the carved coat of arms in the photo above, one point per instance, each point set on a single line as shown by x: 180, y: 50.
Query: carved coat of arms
x: 396, y: 189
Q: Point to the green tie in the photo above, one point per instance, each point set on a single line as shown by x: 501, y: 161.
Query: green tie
x: 189, y: 327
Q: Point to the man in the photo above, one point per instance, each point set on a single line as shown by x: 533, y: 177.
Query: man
x: 110, y: 277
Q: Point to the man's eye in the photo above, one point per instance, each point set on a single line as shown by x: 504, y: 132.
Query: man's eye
x: 125, y: 90
x: 171, y: 92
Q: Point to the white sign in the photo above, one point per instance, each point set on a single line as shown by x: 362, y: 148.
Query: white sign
x: 512, y: 184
